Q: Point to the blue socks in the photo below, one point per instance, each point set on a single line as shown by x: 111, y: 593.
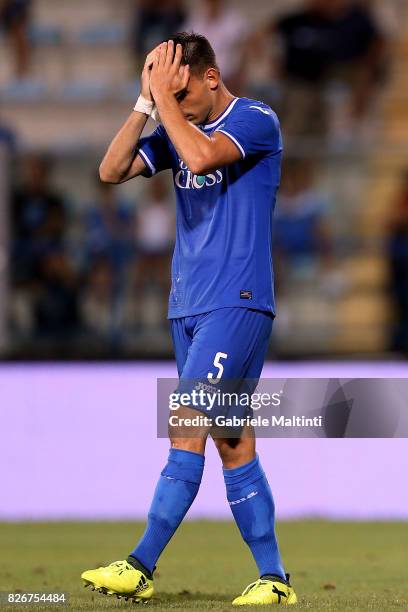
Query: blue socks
x: 248, y: 494
x: 175, y: 492
x: 251, y: 501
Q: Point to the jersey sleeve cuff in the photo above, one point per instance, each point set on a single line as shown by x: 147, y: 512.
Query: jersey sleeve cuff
x: 147, y: 161
x: 235, y: 141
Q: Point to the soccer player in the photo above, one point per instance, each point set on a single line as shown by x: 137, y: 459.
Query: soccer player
x: 225, y: 156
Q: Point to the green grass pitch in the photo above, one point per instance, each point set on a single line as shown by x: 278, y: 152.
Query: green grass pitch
x: 334, y: 566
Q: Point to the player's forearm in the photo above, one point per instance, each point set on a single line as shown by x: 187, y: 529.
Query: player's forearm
x: 193, y: 147
x: 121, y: 152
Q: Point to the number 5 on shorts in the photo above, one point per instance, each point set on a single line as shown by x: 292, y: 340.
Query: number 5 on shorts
x: 219, y: 366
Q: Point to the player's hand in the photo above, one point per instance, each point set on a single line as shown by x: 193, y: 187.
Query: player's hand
x: 145, y: 79
x: 168, y: 76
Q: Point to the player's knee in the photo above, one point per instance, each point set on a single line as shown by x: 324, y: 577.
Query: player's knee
x: 234, y: 452
x: 194, y: 445
x: 185, y: 438
x: 184, y: 434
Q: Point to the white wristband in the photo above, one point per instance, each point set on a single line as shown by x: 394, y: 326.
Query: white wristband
x: 144, y: 106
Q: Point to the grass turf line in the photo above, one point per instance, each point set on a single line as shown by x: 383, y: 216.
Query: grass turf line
x: 334, y: 566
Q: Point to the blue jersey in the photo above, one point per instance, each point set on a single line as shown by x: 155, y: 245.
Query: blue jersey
x: 222, y: 256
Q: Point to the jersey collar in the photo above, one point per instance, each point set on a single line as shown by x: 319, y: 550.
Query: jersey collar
x: 213, y: 124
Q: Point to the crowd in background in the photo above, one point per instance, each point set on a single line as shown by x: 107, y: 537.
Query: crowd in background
x: 294, y: 61
x: 320, y: 67
x: 86, y: 273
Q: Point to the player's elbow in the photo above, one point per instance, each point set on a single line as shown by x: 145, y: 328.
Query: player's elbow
x: 107, y: 176
x: 199, y: 165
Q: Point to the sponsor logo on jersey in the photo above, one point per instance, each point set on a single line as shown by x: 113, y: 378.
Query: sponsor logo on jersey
x: 185, y: 179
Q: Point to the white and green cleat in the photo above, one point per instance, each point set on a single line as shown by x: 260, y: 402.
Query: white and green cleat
x: 267, y: 591
x: 120, y: 579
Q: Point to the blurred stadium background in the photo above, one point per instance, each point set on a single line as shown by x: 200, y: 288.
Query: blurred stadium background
x: 85, y: 267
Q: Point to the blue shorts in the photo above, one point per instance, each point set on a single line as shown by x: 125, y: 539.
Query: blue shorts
x: 227, y: 344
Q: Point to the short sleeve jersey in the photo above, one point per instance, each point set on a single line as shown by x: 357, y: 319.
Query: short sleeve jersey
x: 222, y: 255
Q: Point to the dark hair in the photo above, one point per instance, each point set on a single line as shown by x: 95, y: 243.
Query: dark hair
x: 197, y: 51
